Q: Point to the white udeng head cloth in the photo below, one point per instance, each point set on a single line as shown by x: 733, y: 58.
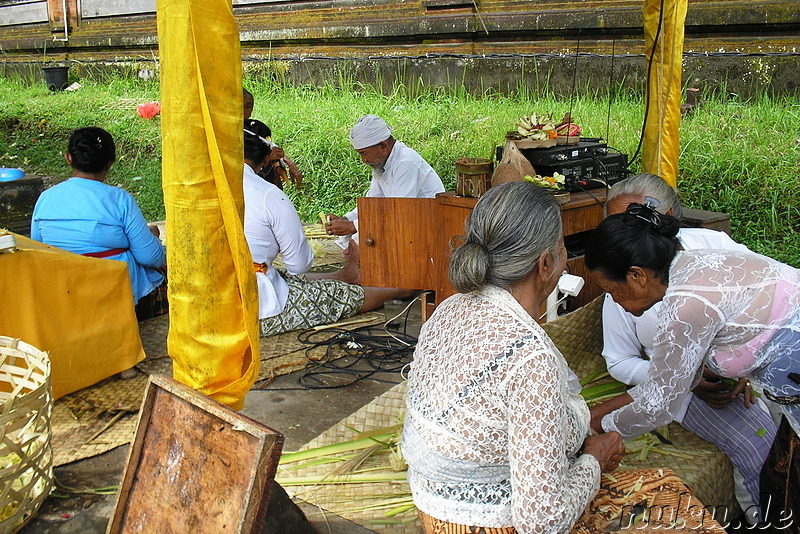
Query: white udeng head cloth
x: 369, y: 130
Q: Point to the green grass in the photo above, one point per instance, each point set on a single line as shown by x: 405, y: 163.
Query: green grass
x: 738, y: 157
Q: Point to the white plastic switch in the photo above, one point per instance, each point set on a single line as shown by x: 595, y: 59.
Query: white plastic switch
x: 569, y: 284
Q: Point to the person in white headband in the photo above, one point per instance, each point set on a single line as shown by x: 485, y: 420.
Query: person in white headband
x: 397, y: 170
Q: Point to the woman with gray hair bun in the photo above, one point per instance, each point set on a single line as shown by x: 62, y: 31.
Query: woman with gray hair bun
x: 494, y: 438
x: 503, y: 236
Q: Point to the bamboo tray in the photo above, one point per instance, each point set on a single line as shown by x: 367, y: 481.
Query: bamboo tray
x: 523, y: 144
x: 567, y: 140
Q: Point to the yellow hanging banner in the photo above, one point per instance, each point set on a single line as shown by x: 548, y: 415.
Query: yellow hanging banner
x: 213, y: 336
x: 663, y: 35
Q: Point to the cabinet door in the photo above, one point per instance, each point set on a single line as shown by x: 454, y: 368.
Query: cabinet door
x: 398, y: 238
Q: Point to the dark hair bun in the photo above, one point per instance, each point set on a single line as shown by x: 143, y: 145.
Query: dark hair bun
x: 639, y: 237
x: 255, y: 146
x: 92, y: 149
x: 646, y: 216
x: 257, y: 127
x: 668, y: 226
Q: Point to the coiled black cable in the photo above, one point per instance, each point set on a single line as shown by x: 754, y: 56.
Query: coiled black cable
x: 353, y: 355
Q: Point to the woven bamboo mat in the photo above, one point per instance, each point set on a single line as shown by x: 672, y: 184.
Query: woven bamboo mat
x: 280, y: 355
x: 579, y: 337
x: 96, y: 419
x: 346, y: 499
x: 111, y: 406
x: 327, y: 255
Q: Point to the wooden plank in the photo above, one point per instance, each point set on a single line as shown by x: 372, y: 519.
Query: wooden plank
x: 576, y: 221
x: 707, y: 219
x: 195, y: 466
x: 446, y: 4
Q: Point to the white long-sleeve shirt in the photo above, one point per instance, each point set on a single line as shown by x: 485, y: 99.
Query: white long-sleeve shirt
x: 405, y: 175
x: 626, y: 338
x: 272, y: 227
x: 720, y: 309
x: 492, y: 431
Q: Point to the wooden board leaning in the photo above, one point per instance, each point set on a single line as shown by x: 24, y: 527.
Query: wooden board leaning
x: 195, y: 466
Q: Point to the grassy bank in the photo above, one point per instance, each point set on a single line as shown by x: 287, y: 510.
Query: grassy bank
x: 737, y: 157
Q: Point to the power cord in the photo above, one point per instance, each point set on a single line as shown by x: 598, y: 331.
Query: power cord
x: 354, y: 355
x: 351, y: 356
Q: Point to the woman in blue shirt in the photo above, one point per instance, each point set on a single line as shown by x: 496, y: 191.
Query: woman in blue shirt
x: 89, y: 217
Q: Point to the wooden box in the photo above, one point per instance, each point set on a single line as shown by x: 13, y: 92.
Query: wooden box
x: 406, y: 242
x: 195, y: 466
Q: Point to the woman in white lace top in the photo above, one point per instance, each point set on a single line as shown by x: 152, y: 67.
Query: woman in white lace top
x: 736, y: 312
x: 493, y: 433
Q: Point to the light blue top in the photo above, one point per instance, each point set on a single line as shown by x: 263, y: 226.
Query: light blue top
x: 82, y: 215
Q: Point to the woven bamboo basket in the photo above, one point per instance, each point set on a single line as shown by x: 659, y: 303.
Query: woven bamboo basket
x: 26, y: 458
x: 473, y: 176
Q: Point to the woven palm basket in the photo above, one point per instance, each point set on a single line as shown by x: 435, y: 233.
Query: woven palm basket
x: 706, y: 470
x: 26, y: 459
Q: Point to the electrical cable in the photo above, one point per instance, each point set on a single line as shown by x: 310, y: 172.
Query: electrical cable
x: 365, y: 352
x: 588, y: 192
x: 436, y: 55
x: 354, y: 355
x: 612, y: 90
x: 574, y: 81
x: 647, y: 87
x: 351, y: 355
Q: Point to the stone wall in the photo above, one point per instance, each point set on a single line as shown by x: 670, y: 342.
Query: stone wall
x: 738, y: 45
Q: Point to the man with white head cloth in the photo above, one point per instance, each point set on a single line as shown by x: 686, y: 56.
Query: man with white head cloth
x: 397, y: 170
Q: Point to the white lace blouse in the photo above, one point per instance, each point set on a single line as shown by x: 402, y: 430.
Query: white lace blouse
x: 492, y: 432
x: 721, y: 308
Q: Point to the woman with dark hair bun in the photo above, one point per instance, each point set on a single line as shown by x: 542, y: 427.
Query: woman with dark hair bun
x: 87, y: 216
x: 711, y: 411
x: 736, y: 312
x: 91, y: 150
x: 275, y: 170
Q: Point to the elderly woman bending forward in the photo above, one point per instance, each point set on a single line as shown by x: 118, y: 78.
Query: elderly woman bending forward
x: 494, y: 436
x: 736, y: 312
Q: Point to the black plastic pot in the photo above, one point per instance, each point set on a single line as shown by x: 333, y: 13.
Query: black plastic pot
x: 56, y: 77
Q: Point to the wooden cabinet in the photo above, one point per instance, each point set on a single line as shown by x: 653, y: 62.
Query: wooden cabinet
x: 406, y: 242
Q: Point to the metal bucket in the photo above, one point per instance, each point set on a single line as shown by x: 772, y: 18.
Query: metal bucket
x: 474, y: 176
